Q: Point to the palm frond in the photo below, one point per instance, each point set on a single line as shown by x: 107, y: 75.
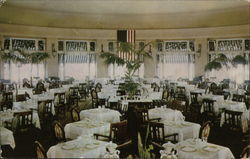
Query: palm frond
x: 213, y: 65
x: 37, y: 57
x: 111, y: 58
x: 239, y: 59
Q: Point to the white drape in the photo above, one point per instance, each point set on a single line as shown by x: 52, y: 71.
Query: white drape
x: 16, y: 72
x: 79, y: 66
x: 237, y: 74
x: 174, y: 66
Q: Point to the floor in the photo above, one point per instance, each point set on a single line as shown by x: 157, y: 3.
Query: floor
x: 25, y: 147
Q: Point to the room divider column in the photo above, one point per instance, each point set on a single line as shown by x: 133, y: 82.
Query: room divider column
x: 52, y: 65
x: 150, y: 64
x: 102, y: 67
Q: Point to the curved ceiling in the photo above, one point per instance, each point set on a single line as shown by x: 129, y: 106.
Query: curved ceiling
x: 121, y: 14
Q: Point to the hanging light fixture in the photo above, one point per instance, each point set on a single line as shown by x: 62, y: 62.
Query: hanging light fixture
x: 2, y: 2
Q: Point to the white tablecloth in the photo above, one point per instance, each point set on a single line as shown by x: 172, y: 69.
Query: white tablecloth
x: 86, y: 127
x: 6, y: 137
x: 185, y: 130
x: 166, y: 114
x: 189, y: 149
x: 78, y: 148
x: 101, y: 114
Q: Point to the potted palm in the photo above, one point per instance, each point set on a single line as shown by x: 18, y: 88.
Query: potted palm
x: 130, y: 85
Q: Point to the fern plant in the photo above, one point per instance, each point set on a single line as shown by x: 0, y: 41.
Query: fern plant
x: 222, y: 60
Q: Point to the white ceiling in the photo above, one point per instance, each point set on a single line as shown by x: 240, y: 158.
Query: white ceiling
x: 140, y: 14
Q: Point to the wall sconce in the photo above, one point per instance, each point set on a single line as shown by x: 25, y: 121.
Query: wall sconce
x: 198, y: 52
x: 54, y: 52
x: 102, y: 48
x: 150, y: 50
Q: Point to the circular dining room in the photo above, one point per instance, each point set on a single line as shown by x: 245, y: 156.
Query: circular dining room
x: 125, y: 79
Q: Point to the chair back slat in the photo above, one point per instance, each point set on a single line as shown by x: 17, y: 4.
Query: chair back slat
x: 118, y: 132
x: 233, y: 120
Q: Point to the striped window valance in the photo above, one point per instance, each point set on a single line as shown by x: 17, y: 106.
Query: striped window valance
x: 83, y: 58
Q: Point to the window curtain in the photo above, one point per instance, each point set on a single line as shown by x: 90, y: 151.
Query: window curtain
x: 78, y: 66
x: 16, y: 72
x: 237, y: 74
x: 174, y: 66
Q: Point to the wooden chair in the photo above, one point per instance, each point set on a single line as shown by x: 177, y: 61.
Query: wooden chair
x: 99, y: 85
x: 45, y: 113
x: 118, y: 134
x: 59, y: 103
x: 22, y: 122
x: 94, y: 97
x: 156, y: 88
x: 247, y: 99
x: 73, y: 97
x: 58, y: 131
x: 21, y: 97
x: 165, y: 95
x: 213, y: 87
x: 194, y: 107
x: 75, y: 116
x: 83, y: 90
x: 36, y: 91
x: 7, y: 100
x: 232, y: 120
x: 205, y: 130
x: 238, y: 98
x: 158, y: 136
x: 40, y: 86
x: 122, y: 108
x: 98, y: 89
x: 27, y: 85
x: 209, y: 113
x: 144, y: 117
x: 245, y: 152
x: 153, y: 85
x: 194, y: 97
x: 40, y: 151
x: 180, y: 90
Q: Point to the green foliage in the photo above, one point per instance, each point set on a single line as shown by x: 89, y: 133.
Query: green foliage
x: 239, y: 59
x: 222, y: 60
x: 213, y: 65
x: 111, y: 58
x: 130, y: 86
x: 21, y: 56
x: 37, y: 57
x: 144, y: 153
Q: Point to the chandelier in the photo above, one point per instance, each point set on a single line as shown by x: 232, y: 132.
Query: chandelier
x: 2, y: 2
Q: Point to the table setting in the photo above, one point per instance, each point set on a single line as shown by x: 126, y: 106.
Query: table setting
x: 82, y: 147
x: 86, y: 126
x: 199, y: 149
x: 101, y: 114
x: 166, y: 114
x: 184, y: 129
